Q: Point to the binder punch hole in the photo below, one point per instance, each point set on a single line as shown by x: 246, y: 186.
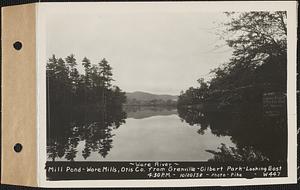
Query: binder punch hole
x: 18, y: 147
x: 17, y: 45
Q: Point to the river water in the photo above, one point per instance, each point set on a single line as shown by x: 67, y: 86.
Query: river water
x: 146, y: 135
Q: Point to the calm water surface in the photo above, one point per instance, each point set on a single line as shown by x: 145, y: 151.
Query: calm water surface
x: 147, y: 134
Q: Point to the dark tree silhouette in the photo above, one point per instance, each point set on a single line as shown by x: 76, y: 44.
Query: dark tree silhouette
x: 81, y: 107
x: 231, y: 102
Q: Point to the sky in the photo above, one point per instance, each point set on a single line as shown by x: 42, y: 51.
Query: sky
x: 161, y: 50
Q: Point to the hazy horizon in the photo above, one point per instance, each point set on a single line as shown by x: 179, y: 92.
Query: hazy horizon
x: 151, y: 93
x: 153, y: 51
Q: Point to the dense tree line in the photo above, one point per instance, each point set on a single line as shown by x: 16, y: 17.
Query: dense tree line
x: 72, y: 95
x: 258, y: 63
x: 231, y: 102
x: 81, y: 106
x: 154, y: 102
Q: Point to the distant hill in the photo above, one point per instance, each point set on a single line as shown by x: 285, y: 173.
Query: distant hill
x: 144, y: 98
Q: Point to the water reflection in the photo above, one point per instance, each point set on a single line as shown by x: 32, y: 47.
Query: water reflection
x: 140, y: 112
x: 257, y: 137
x: 95, y: 130
x: 147, y: 133
x: 92, y: 128
x: 160, y: 133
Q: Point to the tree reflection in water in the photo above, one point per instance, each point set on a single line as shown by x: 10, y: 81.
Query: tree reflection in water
x: 64, y: 136
x: 257, y: 137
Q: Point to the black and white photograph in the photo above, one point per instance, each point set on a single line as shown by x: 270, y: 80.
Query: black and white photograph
x: 170, y: 86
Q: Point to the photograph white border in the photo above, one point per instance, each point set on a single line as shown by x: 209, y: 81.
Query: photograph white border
x: 289, y: 6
